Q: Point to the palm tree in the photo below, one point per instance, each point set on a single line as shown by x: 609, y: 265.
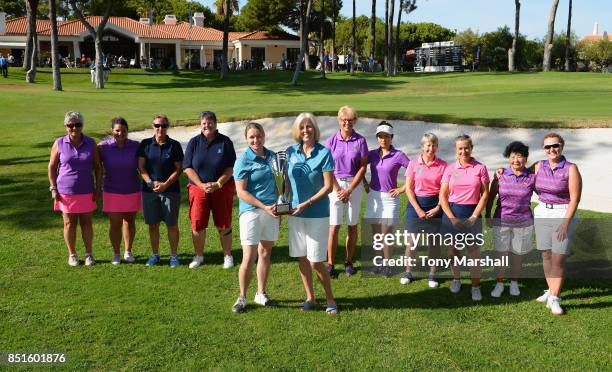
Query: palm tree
x: 354, y: 44
x: 549, y: 36
x: 568, y: 38
x: 322, y: 52
x: 390, y: 65
x: 220, y: 6
x: 387, y: 35
x: 57, y: 78
x: 226, y: 8
x: 334, y: 17
x: 373, y: 29
x: 30, y: 56
x: 304, y: 20
x: 512, y: 51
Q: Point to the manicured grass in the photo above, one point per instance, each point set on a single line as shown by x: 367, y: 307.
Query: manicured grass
x: 134, y: 317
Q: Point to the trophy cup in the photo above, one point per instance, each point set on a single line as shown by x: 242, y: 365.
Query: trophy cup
x: 280, y: 168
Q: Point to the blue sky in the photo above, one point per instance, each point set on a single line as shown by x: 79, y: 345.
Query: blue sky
x: 487, y: 15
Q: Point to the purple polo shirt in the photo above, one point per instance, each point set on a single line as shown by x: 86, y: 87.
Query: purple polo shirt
x: 514, y: 202
x: 75, y: 170
x: 347, y: 154
x: 120, y: 167
x: 552, y: 185
x: 384, y: 169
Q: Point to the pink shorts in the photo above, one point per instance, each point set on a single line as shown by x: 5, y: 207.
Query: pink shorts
x: 121, y: 202
x: 81, y: 203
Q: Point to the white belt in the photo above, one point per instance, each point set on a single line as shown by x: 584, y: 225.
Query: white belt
x: 345, y: 179
x: 554, y: 206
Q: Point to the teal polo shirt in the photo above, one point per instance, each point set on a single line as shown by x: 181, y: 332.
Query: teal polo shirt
x: 257, y: 172
x: 306, y: 177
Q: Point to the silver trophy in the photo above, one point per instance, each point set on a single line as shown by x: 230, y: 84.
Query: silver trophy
x: 280, y: 168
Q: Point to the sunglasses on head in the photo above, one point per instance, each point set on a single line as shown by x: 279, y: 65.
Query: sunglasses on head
x: 161, y: 126
x: 75, y: 125
x: 553, y: 146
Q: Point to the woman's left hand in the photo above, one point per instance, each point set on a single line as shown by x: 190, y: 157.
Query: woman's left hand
x: 395, y: 192
x: 562, y: 230
x: 433, y: 212
x: 470, y: 221
x: 300, y: 208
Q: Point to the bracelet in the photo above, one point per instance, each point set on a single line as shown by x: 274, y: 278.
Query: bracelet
x: 219, y: 184
x: 310, y: 202
x: 52, y: 188
x: 149, y: 184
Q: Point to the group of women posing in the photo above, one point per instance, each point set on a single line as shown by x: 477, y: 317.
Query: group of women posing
x: 327, y: 182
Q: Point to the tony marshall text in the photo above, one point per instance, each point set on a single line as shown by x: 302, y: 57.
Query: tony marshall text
x: 425, y: 261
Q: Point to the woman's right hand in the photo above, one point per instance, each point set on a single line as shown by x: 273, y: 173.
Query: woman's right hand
x: 55, y: 195
x: 270, y: 209
x: 421, y: 213
x: 499, y: 172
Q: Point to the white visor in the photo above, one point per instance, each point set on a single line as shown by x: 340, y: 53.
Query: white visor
x: 384, y: 129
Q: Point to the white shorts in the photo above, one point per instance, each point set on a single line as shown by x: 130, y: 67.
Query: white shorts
x: 352, y: 207
x: 546, y: 223
x: 381, y: 206
x: 514, y: 239
x: 257, y: 225
x: 308, y: 238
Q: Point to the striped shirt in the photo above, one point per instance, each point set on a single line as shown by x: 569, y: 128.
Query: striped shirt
x: 514, y: 202
x: 552, y: 185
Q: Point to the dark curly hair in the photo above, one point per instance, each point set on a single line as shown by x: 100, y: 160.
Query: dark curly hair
x: 516, y: 147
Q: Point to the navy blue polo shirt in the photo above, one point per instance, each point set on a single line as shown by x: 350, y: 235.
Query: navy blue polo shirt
x: 209, y: 159
x: 160, y: 161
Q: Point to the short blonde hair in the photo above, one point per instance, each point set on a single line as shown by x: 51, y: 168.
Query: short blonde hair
x: 295, y: 129
x: 254, y: 125
x: 73, y: 115
x: 346, y: 110
x: 430, y: 137
x: 554, y: 135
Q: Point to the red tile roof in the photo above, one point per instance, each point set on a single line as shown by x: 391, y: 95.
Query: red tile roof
x: 19, y: 26
x: 595, y: 38
x: 181, y: 30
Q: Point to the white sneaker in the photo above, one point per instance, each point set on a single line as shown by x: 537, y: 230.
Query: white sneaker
x: 553, y: 305
x: 543, y: 298
x: 432, y: 282
x: 116, y: 259
x: 89, y: 260
x: 476, y: 294
x: 128, y: 257
x: 498, y: 290
x: 455, y: 286
x: 263, y: 300
x: 197, y: 261
x: 514, y: 289
x: 73, y: 260
x: 240, y: 305
x: 406, y: 278
x: 228, y: 262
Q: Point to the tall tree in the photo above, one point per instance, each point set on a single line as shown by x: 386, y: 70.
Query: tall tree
x: 221, y: 5
x: 96, y: 34
x: 31, y: 38
x: 390, y: 64
x: 548, y: 44
x: 334, y: 19
x: 373, y: 30
x: 305, y: 8
x: 407, y: 6
x: 322, y: 52
x: 354, y: 43
x: 568, y: 38
x: 386, y: 35
x: 55, y: 60
x: 517, y: 22
x: 227, y: 9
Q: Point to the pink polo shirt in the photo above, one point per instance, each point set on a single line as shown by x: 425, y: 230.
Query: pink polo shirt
x: 427, y: 178
x: 464, y: 181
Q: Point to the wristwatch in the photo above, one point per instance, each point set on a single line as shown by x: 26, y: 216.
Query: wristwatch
x: 52, y: 188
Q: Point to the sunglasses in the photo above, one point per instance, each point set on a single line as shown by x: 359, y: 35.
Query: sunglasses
x: 553, y: 146
x: 76, y: 125
x: 164, y: 126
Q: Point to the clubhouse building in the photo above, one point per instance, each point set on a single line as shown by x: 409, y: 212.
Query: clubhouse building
x: 171, y: 43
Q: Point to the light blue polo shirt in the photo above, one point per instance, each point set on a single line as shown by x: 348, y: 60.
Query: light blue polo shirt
x: 258, y: 173
x: 306, y: 177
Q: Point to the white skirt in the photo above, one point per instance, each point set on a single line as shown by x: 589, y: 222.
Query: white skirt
x: 382, y: 206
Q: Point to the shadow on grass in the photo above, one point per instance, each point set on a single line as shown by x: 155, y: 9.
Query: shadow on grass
x: 441, y: 298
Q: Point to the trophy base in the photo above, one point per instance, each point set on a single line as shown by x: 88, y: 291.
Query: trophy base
x: 282, y: 209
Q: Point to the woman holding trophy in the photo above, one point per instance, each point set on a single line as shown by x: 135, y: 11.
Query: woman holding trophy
x: 310, y: 170
x: 259, y: 223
